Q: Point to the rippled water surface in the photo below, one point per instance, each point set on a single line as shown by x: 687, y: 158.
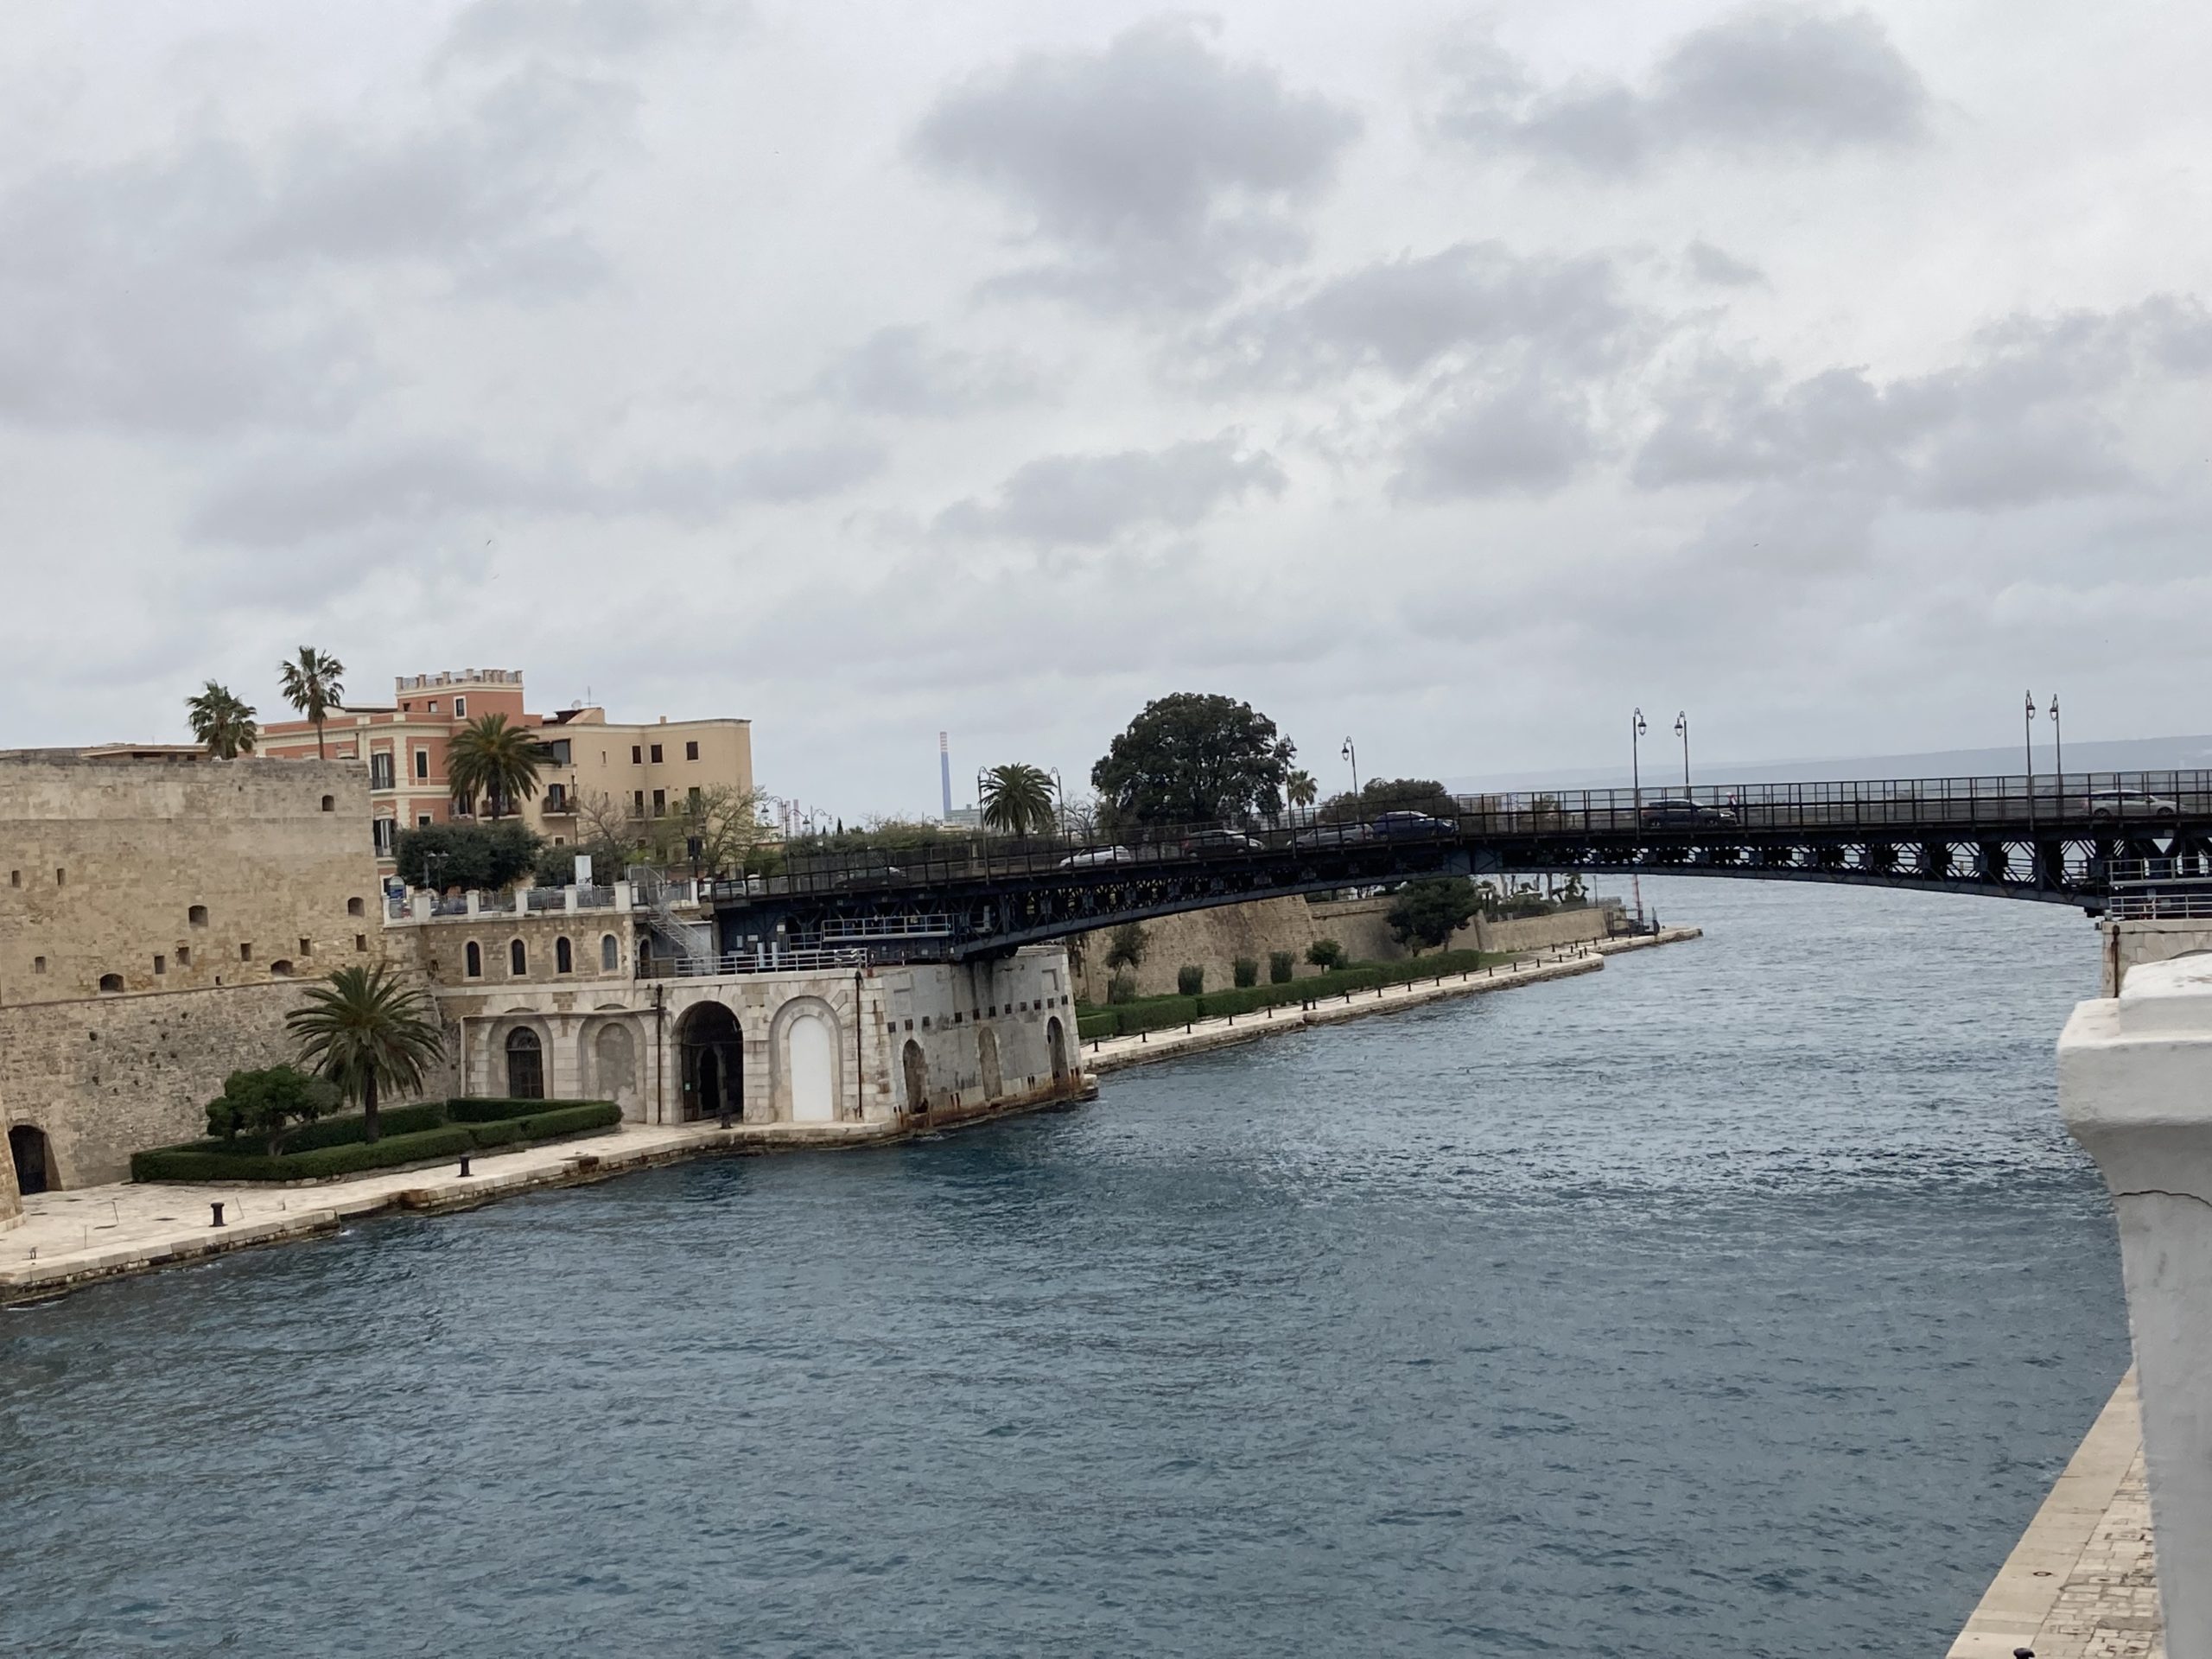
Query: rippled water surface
x: 1742, y: 1299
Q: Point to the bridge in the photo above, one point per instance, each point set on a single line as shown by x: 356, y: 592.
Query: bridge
x: 2103, y: 841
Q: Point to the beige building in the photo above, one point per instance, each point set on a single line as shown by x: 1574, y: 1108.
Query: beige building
x: 158, y: 915
x: 645, y: 772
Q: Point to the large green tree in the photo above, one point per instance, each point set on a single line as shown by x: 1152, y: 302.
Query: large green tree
x: 1380, y: 795
x: 1018, y: 800
x: 222, y: 722
x: 488, y: 856
x: 491, y: 759
x: 1429, y: 912
x: 1190, y: 758
x: 311, y: 683
x: 367, y: 1033
x: 268, y: 1103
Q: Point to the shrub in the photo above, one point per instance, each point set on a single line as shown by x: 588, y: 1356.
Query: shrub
x: 463, y: 1109
x: 1429, y: 912
x: 539, y: 1120
x: 486, y: 855
x: 1245, y: 971
x: 266, y: 1104
x: 1325, y: 954
x: 1090, y: 1026
x: 354, y: 1128
x: 1282, y: 966
x: 1120, y: 989
x: 1190, y: 979
x: 1126, y: 945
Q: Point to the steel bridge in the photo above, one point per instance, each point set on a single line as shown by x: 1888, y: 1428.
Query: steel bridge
x: 2099, y: 841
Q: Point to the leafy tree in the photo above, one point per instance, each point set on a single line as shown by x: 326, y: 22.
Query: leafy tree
x: 1018, y: 800
x: 1381, y: 795
x: 1324, y: 953
x: 269, y: 1102
x: 1189, y: 758
x: 490, y: 758
x: 366, y: 1033
x: 1281, y: 967
x: 310, y: 684
x: 222, y: 722
x: 554, y: 865
x: 1245, y: 970
x: 1190, y: 980
x: 1429, y: 912
x: 486, y: 855
x: 1301, y: 788
x: 1126, y: 946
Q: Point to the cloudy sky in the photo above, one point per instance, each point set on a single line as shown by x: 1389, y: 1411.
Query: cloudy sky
x: 1455, y: 377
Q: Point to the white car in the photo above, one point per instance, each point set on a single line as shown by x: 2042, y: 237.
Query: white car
x: 2104, y: 803
x: 1093, y: 857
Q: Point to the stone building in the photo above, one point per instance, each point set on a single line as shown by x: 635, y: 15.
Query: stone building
x: 645, y: 770
x: 159, y: 913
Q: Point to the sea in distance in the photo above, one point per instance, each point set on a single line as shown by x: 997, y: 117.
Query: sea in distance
x: 1743, y: 1299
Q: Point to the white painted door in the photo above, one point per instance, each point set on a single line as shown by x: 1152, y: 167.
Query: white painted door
x: 812, y: 1054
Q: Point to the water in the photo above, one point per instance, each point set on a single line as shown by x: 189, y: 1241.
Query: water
x: 1743, y: 1299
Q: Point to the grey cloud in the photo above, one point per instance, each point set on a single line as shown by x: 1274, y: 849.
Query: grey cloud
x: 1088, y: 500
x: 293, y: 498
x: 1402, y: 315
x: 1721, y: 269
x: 2019, y: 421
x: 1529, y: 439
x: 899, y: 371
x: 591, y: 29
x: 1773, y: 80
x: 1156, y: 168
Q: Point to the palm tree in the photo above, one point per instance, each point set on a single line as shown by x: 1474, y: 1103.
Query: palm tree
x: 223, y: 724
x: 310, y: 686
x: 366, y: 1033
x: 1017, y: 799
x: 1301, y: 788
x: 489, y: 757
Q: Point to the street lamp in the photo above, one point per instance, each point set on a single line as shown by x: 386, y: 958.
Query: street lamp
x: 1060, y: 801
x: 2058, y: 749
x: 1683, y: 731
x: 1352, y: 755
x: 2028, y: 732
x: 1637, y: 728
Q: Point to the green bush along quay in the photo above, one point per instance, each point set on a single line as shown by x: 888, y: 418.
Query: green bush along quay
x: 412, y: 1134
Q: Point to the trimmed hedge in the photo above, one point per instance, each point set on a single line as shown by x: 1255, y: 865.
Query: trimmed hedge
x: 1158, y: 1013
x: 464, y: 1110
x: 515, y: 1122
x: 354, y: 1128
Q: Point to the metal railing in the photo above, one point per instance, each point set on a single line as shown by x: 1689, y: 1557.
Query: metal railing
x: 767, y: 959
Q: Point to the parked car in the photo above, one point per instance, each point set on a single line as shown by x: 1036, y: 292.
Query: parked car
x: 1394, y: 826
x: 1090, y: 857
x: 2107, y: 804
x: 1675, y: 812
x: 1333, y: 834
x: 1220, y: 840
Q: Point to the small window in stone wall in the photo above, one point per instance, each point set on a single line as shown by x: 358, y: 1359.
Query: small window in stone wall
x: 38, y: 965
x: 355, y: 907
x: 184, y: 956
x: 281, y: 968
x: 110, y: 983
x: 474, y: 961
x: 197, y: 916
x: 161, y: 965
x: 245, y: 953
x: 610, y: 954
x: 564, y: 960
x: 518, y: 958
x: 330, y: 803
x: 14, y: 878
x: 360, y: 941
x: 61, y: 876
x: 306, y: 947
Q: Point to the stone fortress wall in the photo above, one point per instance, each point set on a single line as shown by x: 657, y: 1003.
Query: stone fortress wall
x: 158, y: 918
x: 1214, y: 938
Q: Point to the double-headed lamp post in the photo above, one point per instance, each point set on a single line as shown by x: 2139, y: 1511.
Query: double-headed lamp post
x: 1637, y: 728
x: 2028, y: 733
x: 1351, y: 756
x: 1683, y: 731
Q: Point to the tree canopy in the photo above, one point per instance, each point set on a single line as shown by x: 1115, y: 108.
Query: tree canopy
x: 222, y: 722
x: 366, y: 1033
x: 1429, y: 912
x: 1018, y: 800
x: 1190, y: 758
x: 1380, y: 795
x: 267, y: 1102
x: 485, y: 855
x: 311, y: 683
x: 489, y: 757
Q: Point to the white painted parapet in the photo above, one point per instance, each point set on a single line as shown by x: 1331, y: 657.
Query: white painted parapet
x: 2135, y: 1086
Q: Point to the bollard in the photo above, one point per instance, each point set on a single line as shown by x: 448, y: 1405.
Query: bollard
x: 464, y: 1166
x: 725, y: 1117
x: 218, y: 1208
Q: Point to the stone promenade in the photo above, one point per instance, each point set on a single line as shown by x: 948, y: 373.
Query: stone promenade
x: 2081, y: 1584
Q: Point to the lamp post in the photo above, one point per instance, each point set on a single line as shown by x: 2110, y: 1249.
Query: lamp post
x: 2028, y: 733
x: 1059, y: 802
x: 1352, y: 755
x: 1683, y: 731
x: 1637, y: 728
x: 2059, y: 751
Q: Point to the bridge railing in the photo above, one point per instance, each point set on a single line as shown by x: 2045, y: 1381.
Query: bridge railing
x: 1970, y: 808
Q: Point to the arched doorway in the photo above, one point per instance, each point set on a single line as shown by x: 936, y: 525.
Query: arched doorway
x: 615, y: 1065
x: 34, y: 1168
x: 811, y: 1051
x: 987, y: 1056
x: 1056, y: 1041
x: 918, y: 1079
x: 525, y: 1066
x: 711, y: 1050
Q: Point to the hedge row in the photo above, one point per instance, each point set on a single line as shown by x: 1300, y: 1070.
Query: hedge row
x: 1158, y: 1013
x: 208, y: 1161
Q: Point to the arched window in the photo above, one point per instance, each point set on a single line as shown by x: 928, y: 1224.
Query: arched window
x: 475, y: 961
x: 518, y: 958
x: 330, y: 803
x: 355, y: 907
x: 110, y: 983
x: 281, y: 968
x: 197, y: 916
x: 564, y: 960
x: 610, y: 954
x: 525, y: 1066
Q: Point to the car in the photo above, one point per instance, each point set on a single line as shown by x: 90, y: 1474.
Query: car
x: 1396, y: 826
x: 1219, y: 839
x: 2103, y: 805
x: 1091, y: 857
x: 1676, y: 812
x: 1333, y: 834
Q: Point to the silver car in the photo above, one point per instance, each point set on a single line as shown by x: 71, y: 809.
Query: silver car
x: 2103, y: 805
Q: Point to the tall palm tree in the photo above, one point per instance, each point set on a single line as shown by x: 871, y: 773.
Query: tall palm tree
x: 490, y: 758
x: 1017, y: 800
x: 222, y: 722
x: 311, y: 685
x: 366, y: 1033
x: 1301, y: 788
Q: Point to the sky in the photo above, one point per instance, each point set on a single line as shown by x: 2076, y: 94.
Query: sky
x: 1451, y: 378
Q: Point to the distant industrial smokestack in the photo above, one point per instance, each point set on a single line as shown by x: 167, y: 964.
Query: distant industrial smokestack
x: 945, y: 773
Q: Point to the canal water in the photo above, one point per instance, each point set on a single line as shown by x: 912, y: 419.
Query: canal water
x: 1740, y: 1300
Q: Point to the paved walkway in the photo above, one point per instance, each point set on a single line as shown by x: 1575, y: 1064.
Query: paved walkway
x: 1110, y: 1054
x: 2081, y: 1583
